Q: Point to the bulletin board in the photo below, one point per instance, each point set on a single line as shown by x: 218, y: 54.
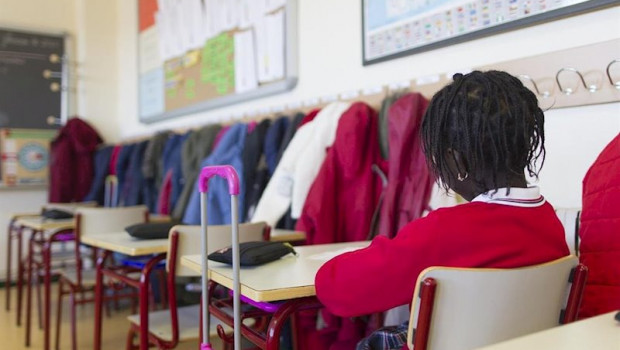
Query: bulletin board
x: 33, y: 76
x: 196, y: 55
x: 396, y: 28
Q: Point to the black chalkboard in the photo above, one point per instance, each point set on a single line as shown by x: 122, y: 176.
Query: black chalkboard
x: 30, y: 79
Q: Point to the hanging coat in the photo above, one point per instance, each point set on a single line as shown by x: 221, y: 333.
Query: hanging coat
x: 152, y: 168
x: 344, y: 195
x: 122, y: 167
x: 195, y: 149
x: 600, y: 233
x: 101, y: 162
x: 227, y: 152
x: 410, y: 182
x: 253, y: 169
x: 299, y: 165
x: 71, y: 161
x: 132, y: 192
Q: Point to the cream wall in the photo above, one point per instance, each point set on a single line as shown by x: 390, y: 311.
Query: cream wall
x: 330, y: 62
x: 91, y: 26
x: 103, y: 45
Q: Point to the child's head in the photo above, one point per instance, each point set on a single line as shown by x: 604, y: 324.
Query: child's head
x: 482, y: 131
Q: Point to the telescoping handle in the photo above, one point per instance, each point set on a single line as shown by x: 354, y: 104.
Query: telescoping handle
x: 230, y: 174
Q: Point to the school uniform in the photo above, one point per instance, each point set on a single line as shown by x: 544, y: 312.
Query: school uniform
x: 497, y: 229
x: 122, y: 166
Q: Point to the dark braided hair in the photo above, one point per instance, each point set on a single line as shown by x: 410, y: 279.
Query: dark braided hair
x: 492, y: 120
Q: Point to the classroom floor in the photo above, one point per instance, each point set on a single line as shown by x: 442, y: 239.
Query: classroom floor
x: 114, y: 328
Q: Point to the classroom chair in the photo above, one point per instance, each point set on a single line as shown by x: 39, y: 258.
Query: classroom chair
x: 463, y: 309
x: 570, y: 219
x: 181, y: 324
x: 91, y: 221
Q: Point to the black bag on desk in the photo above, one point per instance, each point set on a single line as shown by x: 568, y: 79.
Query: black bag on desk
x: 254, y: 253
x: 148, y: 230
x: 56, y: 214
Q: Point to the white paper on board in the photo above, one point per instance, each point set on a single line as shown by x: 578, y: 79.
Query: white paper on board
x: 245, y: 64
x: 276, y: 45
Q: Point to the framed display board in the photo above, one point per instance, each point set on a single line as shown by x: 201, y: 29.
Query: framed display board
x: 396, y: 28
x: 196, y: 55
x: 33, y: 79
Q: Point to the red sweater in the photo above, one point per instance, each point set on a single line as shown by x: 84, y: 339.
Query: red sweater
x: 477, y: 234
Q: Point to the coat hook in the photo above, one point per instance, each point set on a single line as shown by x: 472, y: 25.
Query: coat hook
x: 543, y: 94
x: 613, y: 83
x: 568, y: 91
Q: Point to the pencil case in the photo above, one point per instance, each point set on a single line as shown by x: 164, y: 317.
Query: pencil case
x: 254, y: 253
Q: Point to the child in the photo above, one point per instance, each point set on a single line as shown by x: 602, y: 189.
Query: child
x: 480, y: 134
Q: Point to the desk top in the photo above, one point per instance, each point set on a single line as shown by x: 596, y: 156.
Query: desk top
x: 278, y: 235
x: 287, y: 278
x: 42, y: 224
x: 122, y: 242
x: 600, y: 333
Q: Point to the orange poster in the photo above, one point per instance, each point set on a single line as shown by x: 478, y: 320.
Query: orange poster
x: 147, y: 10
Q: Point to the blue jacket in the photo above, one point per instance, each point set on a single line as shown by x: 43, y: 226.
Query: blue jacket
x: 122, y: 166
x: 227, y: 152
x: 171, y: 159
x: 101, y: 162
x: 273, y: 140
x: 133, y: 187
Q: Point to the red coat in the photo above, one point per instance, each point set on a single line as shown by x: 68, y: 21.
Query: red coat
x: 477, y: 234
x: 344, y: 195
x: 600, y: 233
x: 409, y: 179
x: 71, y: 161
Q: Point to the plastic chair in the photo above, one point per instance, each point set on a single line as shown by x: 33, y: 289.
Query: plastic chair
x: 181, y: 324
x: 463, y: 309
x: 90, y: 221
x: 570, y: 219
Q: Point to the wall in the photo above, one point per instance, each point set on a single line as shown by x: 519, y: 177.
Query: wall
x: 330, y: 62
x: 91, y: 26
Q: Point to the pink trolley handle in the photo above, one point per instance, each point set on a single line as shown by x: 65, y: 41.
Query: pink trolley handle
x: 226, y: 171
x: 230, y: 174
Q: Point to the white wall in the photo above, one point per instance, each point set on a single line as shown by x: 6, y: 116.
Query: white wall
x: 330, y: 62
x: 91, y: 26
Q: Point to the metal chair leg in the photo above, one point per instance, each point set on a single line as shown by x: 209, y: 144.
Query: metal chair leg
x: 59, y: 314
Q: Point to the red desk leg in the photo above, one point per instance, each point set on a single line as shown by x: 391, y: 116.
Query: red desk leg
x: 46, y: 294
x: 20, y: 276
x: 99, y: 298
x: 145, y: 277
x: 29, y: 287
x: 8, y: 264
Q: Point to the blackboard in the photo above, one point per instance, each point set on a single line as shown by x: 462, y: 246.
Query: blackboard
x: 32, y: 76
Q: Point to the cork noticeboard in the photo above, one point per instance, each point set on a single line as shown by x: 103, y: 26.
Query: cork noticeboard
x: 202, y: 54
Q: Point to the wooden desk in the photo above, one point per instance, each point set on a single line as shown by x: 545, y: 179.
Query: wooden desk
x: 43, y: 233
x: 39, y: 223
x: 287, y: 278
x: 279, y: 235
x: 600, y: 333
x: 121, y: 242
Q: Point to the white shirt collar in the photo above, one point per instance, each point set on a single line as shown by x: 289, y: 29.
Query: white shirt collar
x: 519, y: 197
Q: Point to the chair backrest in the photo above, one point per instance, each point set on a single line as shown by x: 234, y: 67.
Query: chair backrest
x: 219, y: 236
x: 91, y: 221
x: 462, y: 309
x: 570, y: 219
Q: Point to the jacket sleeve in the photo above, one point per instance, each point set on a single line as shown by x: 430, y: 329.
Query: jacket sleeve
x: 276, y: 198
x: 379, y: 277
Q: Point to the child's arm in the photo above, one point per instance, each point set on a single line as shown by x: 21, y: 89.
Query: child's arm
x: 378, y: 277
